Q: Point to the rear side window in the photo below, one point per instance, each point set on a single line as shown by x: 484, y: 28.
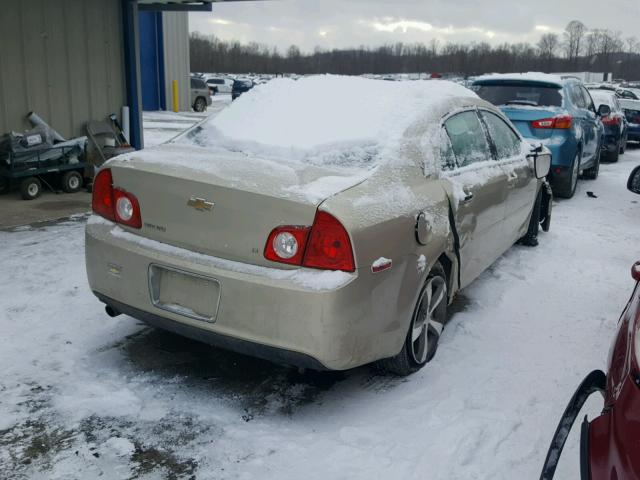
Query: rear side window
x: 468, y: 140
x: 587, y: 99
x: 195, y: 83
x: 504, y: 138
x: 520, y: 93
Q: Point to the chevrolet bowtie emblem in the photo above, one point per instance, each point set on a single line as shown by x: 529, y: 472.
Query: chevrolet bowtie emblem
x: 200, y: 204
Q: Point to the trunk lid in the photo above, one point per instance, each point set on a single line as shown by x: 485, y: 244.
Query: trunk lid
x: 522, y: 116
x: 223, y: 205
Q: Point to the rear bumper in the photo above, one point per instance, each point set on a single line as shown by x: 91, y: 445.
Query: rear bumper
x: 611, y: 140
x: 277, y: 355
x: 633, y: 133
x: 310, y: 318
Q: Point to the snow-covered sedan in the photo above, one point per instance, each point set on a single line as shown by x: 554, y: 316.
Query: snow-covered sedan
x: 325, y: 223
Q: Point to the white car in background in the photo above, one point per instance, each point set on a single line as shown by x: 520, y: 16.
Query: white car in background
x: 219, y: 85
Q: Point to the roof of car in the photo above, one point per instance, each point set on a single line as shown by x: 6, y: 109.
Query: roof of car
x: 534, y: 77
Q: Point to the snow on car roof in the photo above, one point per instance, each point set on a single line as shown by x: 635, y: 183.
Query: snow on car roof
x: 528, y: 76
x: 327, y: 112
x: 601, y: 97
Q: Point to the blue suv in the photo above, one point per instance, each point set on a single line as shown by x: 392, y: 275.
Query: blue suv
x: 558, y: 112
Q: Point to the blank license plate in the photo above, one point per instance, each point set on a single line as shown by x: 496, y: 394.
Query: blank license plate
x: 188, y: 294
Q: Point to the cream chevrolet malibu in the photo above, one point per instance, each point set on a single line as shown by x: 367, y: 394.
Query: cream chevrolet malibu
x: 325, y: 223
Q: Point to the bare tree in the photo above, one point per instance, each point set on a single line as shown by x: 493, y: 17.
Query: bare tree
x: 573, y: 40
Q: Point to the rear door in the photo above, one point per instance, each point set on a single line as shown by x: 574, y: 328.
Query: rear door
x: 477, y: 187
x: 589, y: 123
x: 522, y: 184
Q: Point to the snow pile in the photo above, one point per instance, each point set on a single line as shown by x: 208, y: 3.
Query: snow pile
x: 325, y: 120
x: 528, y: 76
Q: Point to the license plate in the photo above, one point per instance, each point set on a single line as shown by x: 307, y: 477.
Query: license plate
x: 184, y: 293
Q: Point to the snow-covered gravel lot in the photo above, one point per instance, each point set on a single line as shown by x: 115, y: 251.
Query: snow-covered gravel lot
x: 84, y: 396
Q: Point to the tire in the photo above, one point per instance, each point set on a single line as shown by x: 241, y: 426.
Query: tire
x: 614, y: 156
x: 568, y: 188
x: 72, y: 182
x: 4, y: 185
x: 200, y: 105
x: 424, y: 332
x: 623, y: 145
x: 30, y: 188
x: 530, y: 239
x: 592, y: 172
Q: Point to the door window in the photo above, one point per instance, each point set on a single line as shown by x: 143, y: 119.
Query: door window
x: 576, y: 97
x: 506, y: 141
x: 587, y: 99
x: 468, y: 139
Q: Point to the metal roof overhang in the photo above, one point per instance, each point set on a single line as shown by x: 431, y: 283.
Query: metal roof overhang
x: 181, y: 5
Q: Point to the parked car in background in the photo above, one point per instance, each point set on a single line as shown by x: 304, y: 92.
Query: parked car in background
x: 219, y: 85
x: 290, y: 236
x: 241, y: 86
x: 628, y: 93
x: 200, y: 98
x: 615, y: 124
x: 555, y: 111
x: 631, y: 109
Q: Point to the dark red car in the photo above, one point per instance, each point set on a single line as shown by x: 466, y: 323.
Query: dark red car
x: 610, y: 443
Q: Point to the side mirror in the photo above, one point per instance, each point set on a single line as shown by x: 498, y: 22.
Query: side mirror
x: 604, y: 110
x: 634, y: 181
x: 542, y: 164
x: 635, y: 271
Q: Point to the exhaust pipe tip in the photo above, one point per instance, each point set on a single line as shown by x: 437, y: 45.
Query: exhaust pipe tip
x: 112, y: 312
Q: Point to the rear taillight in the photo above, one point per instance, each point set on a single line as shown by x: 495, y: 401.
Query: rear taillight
x: 559, y: 122
x: 114, y: 203
x: 611, y: 120
x: 102, y: 200
x: 329, y: 247
x: 325, y: 245
x: 286, y: 244
x: 127, y: 208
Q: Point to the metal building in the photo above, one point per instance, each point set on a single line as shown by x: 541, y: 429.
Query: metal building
x: 73, y: 61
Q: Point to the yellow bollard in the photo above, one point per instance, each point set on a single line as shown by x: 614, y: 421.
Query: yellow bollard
x: 175, y: 96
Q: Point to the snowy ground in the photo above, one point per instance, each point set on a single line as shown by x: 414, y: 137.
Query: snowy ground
x: 84, y: 396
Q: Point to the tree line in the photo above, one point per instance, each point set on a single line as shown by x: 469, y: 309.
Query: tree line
x: 576, y: 49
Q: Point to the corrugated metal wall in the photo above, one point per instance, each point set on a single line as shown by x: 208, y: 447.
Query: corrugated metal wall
x: 175, y: 26
x: 61, y: 59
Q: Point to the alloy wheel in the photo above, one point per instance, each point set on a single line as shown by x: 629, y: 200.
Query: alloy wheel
x: 428, y: 320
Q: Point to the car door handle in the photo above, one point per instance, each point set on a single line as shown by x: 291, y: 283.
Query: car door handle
x: 468, y: 196
x: 512, y: 176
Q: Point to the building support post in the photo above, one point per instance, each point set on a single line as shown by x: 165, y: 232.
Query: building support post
x: 132, y: 70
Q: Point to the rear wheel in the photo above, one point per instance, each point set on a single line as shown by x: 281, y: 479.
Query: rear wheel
x: 426, y: 326
x: 623, y: 145
x: 71, y: 182
x: 200, y: 105
x: 567, y: 188
x: 30, y: 188
x: 614, y: 155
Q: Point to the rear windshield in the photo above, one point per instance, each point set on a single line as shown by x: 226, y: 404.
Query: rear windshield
x: 520, y: 94
x: 633, y: 116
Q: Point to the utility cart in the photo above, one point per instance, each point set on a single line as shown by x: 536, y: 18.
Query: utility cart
x: 56, y: 166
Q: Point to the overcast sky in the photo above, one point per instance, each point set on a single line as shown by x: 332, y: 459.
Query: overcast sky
x: 348, y: 23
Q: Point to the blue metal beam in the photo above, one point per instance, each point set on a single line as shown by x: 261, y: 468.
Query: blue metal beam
x: 132, y: 71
